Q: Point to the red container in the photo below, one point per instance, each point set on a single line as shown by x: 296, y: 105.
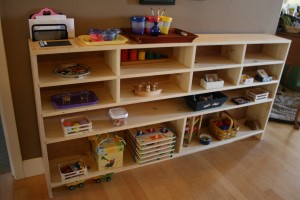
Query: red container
x: 124, y: 55
x: 133, y: 54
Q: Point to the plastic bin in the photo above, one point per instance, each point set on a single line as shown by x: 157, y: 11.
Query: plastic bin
x: 118, y: 116
x: 138, y: 25
x: 164, y: 24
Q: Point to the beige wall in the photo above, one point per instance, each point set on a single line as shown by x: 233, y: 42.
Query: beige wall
x: 197, y: 16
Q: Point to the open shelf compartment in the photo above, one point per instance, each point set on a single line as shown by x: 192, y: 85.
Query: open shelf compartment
x: 218, y: 56
x: 171, y: 85
x: 229, y: 76
x: 272, y: 70
x: 103, y: 66
x: 158, y: 61
x: 104, y: 90
x: 241, y: 115
x: 264, y: 54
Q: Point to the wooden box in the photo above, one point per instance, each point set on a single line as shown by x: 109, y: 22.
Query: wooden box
x: 256, y: 94
x: 76, y: 125
x: 72, y: 169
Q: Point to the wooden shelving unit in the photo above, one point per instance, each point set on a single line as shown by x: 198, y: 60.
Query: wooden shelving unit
x: 228, y: 55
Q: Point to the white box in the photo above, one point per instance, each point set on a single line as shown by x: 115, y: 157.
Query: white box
x: 212, y: 85
x: 246, y: 80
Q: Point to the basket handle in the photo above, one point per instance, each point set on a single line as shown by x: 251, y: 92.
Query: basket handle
x: 233, y: 122
x: 226, y: 114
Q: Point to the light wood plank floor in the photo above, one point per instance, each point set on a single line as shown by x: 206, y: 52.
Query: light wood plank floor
x: 248, y: 169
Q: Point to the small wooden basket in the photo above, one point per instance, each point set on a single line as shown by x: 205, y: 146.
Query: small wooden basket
x: 76, y: 125
x: 72, y: 169
x: 292, y: 29
x: 257, y: 94
x: 223, y: 134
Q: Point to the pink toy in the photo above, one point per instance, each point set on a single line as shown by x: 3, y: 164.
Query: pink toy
x: 44, y: 11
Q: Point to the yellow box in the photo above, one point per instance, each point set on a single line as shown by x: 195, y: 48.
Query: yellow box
x: 108, y: 151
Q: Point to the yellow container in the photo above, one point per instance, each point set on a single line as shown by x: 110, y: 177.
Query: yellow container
x: 141, y: 55
x: 164, y: 24
x: 108, y: 151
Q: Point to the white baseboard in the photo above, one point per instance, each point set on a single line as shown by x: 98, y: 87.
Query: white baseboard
x: 33, y: 167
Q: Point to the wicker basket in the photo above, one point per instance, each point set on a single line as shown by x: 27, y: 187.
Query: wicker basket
x: 223, y: 134
x: 292, y: 29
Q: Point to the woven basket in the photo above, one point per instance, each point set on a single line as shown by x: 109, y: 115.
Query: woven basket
x: 223, y: 134
x: 292, y: 29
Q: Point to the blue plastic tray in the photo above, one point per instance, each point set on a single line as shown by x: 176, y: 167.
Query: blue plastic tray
x: 74, y: 99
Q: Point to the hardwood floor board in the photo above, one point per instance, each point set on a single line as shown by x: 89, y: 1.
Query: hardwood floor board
x: 208, y: 186
x: 6, y: 186
x: 247, y: 169
x: 253, y: 174
x: 270, y: 169
x: 185, y: 171
x: 153, y: 182
x: 129, y: 186
x: 235, y: 172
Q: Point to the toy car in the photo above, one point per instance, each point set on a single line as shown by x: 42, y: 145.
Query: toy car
x: 106, y: 177
x: 72, y: 185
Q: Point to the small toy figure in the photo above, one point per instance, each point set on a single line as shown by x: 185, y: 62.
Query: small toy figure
x: 139, y: 132
x: 154, y: 86
x: 140, y: 86
x: 147, y: 89
x: 66, y: 99
x: 84, y: 97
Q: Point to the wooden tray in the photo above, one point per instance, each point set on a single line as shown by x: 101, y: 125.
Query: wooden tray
x: 174, y: 36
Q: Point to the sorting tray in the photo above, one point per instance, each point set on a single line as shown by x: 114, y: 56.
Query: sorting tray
x: 217, y: 100
x: 174, y: 36
x: 74, y: 99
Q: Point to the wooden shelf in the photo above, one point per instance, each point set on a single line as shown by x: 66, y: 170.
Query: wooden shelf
x: 260, y: 59
x: 103, y: 94
x: 141, y: 114
x: 170, y: 67
x: 195, y: 146
x: 213, y: 62
x: 227, y: 55
x: 128, y: 163
x: 169, y: 90
x: 98, y: 73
